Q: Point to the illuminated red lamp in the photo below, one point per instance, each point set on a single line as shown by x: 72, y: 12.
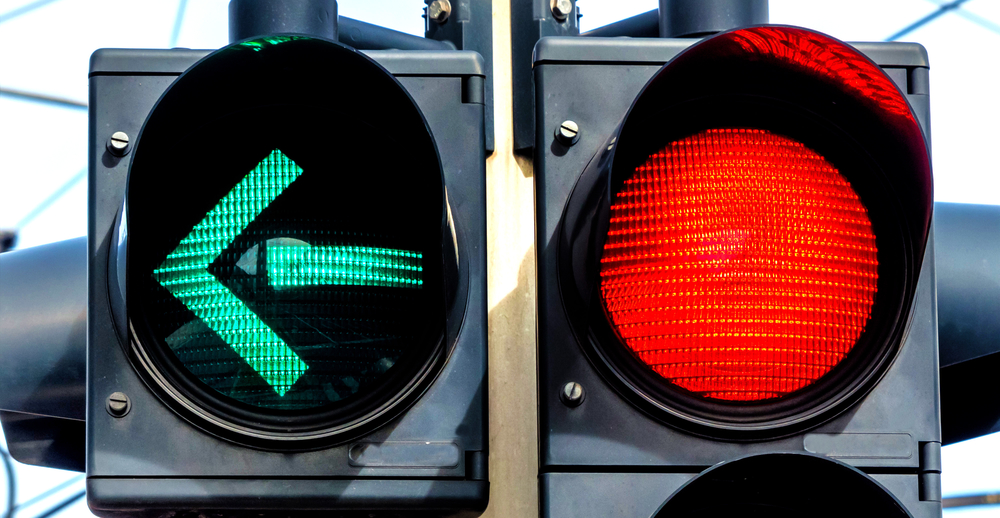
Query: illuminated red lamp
x: 822, y: 56
x: 740, y: 265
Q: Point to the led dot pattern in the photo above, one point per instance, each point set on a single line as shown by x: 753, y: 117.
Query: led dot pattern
x: 184, y: 273
x: 828, y: 57
x: 282, y: 287
x: 344, y: 265
x: 740, y: 265
x: 288, y: 295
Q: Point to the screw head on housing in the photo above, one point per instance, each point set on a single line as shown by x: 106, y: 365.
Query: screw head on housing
x: 118, y: 144
x: 561, y: 9
x: 118, y: 404
x: 568, y: 133
x: 572, y: 394
x: 439, y: 10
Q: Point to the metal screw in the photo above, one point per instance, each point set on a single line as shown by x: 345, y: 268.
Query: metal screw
x: 118, y: 404
x: 439, y: 10
x: 561, y: 9
x: 572, y: 394
x: 118, y: 143
x: 568, y: 133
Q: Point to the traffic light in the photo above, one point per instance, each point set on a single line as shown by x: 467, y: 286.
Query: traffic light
x: 736, y: 310
x: 287, y: 284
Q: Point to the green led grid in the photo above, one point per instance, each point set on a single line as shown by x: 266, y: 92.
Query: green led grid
x: 259, y: 43
x: 343, y: 265
x: 184, y: 273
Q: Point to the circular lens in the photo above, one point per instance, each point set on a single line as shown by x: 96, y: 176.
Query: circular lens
x: 286, y: 256
x: 739, y: 266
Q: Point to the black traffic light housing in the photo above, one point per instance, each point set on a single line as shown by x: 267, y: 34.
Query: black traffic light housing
x: 622, y: 451
x: 157, y: 440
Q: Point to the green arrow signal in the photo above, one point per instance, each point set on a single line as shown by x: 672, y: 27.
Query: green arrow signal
x: 185, y: 273
x: 298, y: 265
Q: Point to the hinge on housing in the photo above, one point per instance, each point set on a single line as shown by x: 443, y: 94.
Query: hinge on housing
x: 917, y: 81
x: 930, y: 471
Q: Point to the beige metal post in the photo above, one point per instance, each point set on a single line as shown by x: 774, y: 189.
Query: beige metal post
x: 510, y: 229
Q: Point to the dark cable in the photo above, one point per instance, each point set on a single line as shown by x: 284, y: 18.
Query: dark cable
x: 62, y: 505
x: 48, y: 493
x: 11, y: 483
x: 926, y: 19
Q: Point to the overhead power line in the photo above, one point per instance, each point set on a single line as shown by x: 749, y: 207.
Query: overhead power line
x: 24, y: 9
x: 11, y: 484
x: 181, y: 7
x: 51, y: 491
x: 52, y: 198
x: 974, y: 18
x: 927, y: 19
x: 43, y: 98
x: 972, y: 500
x: 56, y: 509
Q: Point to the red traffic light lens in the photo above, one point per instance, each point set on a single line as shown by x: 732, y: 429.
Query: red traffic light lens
x: 825, y: 57
x: 740, y: 265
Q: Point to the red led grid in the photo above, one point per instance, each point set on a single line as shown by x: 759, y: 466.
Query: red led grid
x: 827, y: 57
x: 740, y: 265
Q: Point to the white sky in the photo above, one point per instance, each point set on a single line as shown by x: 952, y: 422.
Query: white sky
x: 44, y: 147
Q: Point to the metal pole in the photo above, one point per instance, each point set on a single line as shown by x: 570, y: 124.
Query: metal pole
x: 967, y: 238
x: 645, y: 25
x: 250, y: 18
x: 510, y: 249
x: 361, y: 35
x: 43, y: 330
x: 697, y: 18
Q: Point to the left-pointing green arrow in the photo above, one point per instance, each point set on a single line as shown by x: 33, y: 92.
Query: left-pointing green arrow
x: 298, y: 265
x: 185, y: 273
